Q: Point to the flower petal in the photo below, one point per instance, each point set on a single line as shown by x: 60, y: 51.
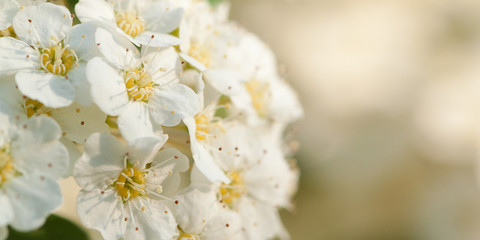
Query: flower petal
x: 203, y: 159
x: 135, y: 122
x: 195, y: 207
x: 82, y: 86
x: 101, y: 210
x: 6, y: 215
x: 8, y: 9
x: 82, y: 40
x: 173, y: 102
x: 155, y: 222
x: 44, y: 25
x: 33, y: 197
x: 37, y: 148
x: 117, y: 49
x: 51, y: 90
x: 162, y: 17
x: 16, y: 55
x: 102, y: 162
x: 144, y: 149
x: 152, y: 39
x: 94, y: 10
x: 107, y: 87
x: 225, y: 81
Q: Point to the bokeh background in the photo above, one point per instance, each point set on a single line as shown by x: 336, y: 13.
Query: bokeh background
x: 390, y: 139
x: 391, y: 90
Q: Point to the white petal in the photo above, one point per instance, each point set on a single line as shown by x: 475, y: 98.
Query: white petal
x: 162, y: 17
x: 33, y: 197
x: 117, y: 49
x: 284, y: 103
x: 44, y: 25
x: 94, y: 10
x: 261, y: 221
x: 78, y: 122
x: 196, y: 64
x: 9, y: 94
x: 8, y: 9
x: 155, y: 222
x: 82, y: 86
x: 37, y: 148
x: 101, y: 163
x: 163, y: 64
x: 203, y: 159
x: 102, y: 211
x: 135, y: 122
x: 226, y: 224
x: 107, y: 87
x: 51, y: 90
x: 3, y: 233
x: 166, y: 167
x: 6, y: 215
x: 82, y: 40
x: 195, y: 207
x: 16, y: 55
x: 225, y: 81
x: 152, y: 39
x: 173, y: 102
x: 144, y: 149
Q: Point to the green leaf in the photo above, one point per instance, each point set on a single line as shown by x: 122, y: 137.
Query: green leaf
x: 55, y: 227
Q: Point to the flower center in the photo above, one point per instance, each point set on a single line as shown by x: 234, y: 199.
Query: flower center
x: 130, y: 183
x: 230, y: 193
x: 207, y: 126
x: 57, y: 59
x: 130, y: 23
x: 139, y: 85
x: 201, y: 54
x: 36, y: 108
x: 259, y: 95
x: 7, y: 171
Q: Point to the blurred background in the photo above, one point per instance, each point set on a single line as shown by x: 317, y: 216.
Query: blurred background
x: 391, y: 90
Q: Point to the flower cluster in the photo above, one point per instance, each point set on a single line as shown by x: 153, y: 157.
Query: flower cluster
x: 170, y: 118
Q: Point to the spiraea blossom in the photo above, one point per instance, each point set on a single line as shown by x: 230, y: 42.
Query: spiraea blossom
x: 170, y: 117
x: 125, y: 188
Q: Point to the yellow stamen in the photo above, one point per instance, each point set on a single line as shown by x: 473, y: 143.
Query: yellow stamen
x: 201, y: 54
x: 57, y: 60
x: 130, y: 23
x: 130, y: 183
x: 259, y: 95
x: 7, y: 171
x: 36, y: 108
x: 230, y: 193
x: 139, y: 85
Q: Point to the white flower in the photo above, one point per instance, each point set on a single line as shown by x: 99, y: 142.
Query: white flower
x: 31, y: 158
x: 139, y: 87
x: 47, y: 66
x: 123, y: 187
x: 210, y: 46
x: 200, y: 216
x: 260, y: 179
x: 264, y: 96
x: 137, y: 20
